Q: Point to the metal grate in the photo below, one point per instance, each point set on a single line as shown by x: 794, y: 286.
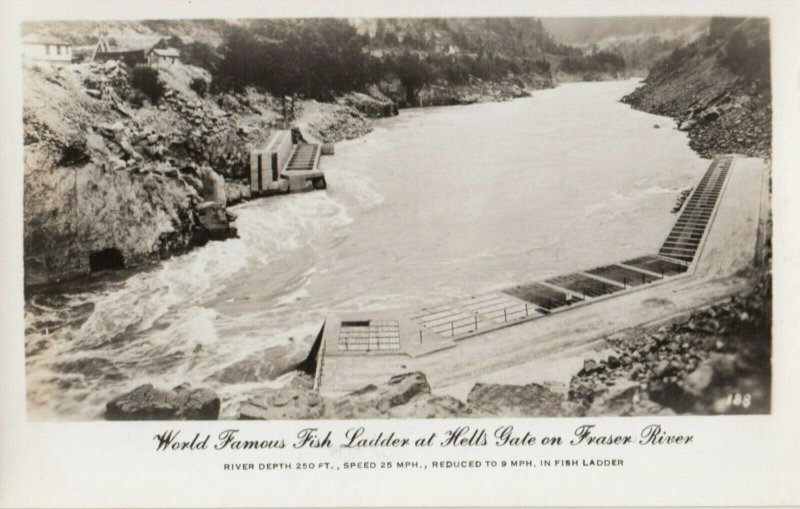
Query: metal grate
x: 369, y: 335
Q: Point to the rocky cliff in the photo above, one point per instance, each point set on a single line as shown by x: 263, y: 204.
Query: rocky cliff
x: 717, y: 89
x: 114, y: 180
x: 109, y: 184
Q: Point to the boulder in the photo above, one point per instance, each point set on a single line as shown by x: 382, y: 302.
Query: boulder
x: 213, y: 185
x: 428, y: 406
x: 285, y: 403
x: 213, y: 224
x: 233, y: 193
x: 383, y: 401
x: 354, y: 406
x: 111, y: 128
x: 400, y: 389
x: 148, y: 403
x: 699, y: 380
x: 262, y: 366
x: 236, y: 191
x: 715, y: 371
x: 724, y: 365
x: 377, y: 106
x: 710, y: 114
x: 126, y: 146
x: 74, y: 153
x: 671, y: 394
x: 154, y: 151
x: 590, y: 366
x: 118, y: 164
x: 530, y: 400
x: 618, y: 400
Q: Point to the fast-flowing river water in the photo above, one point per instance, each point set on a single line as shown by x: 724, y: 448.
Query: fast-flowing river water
x: 434, y: 204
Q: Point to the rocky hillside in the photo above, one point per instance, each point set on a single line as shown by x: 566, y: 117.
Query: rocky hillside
x: 114, y: 179
x: 641, y: 41
x: 120, y: 32
x: 717, y: 88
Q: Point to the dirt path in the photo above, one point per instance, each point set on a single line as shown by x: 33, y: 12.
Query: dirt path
x: 533, y: 347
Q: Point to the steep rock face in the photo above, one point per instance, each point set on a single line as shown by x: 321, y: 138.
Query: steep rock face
x: 106, y: 170
x: 717, y: 88
x: 104, y: 184
x: 70, y: 213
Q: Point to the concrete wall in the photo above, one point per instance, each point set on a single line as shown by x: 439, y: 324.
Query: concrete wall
x: 156, y: 60
x: 51, y: 52
x: 280, y: 144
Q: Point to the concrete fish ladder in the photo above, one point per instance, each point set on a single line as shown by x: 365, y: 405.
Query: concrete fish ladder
x: 463, y: 340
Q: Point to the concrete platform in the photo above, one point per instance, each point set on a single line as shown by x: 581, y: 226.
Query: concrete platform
x: 286, y: 165
x: 440, y: 341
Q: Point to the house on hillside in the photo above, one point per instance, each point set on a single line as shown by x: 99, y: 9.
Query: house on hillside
x: 163, y: 56
x: 38, y: 47
x: 132, y: 50
x: 130, y: 57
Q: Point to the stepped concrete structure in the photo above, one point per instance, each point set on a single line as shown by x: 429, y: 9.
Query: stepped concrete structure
x: 286, y: 164
x: 700, y: 262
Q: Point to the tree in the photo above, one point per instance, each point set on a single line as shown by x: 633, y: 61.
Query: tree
x: 239, y: 63
x: 145, y: 78
x: 199, y: 85
x: 413, y: 73
x: 316, y: 58
x: 391, y: 40
x: 202, y: 55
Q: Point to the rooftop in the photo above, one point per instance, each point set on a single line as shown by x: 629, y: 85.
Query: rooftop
x: 167, y: 52
x: 133, y: 42
x: 43, y: 39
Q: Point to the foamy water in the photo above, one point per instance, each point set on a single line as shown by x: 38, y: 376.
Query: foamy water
x: 434, y: 204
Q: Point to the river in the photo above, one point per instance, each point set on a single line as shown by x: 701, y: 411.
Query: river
x: 433, y: 204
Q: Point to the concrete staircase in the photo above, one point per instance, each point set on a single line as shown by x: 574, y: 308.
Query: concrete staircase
x: 304, y: 157
x: 687, y: 234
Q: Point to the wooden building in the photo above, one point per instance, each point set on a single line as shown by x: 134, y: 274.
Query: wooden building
x: 44, y: 48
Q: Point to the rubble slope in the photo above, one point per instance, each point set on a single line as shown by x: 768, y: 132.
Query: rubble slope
x: 106, y: 170
x: 717, y: 88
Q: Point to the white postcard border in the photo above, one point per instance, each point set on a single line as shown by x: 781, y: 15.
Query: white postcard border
x: 732, y: 460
